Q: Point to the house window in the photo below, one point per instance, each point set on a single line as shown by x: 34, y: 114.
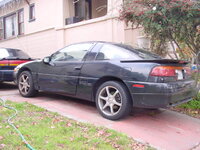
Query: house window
x: 83, y: 9
x: 1, y: 29
x: 32, y: 12
x: 21, y: 22
x: 80, y: 10
x: 10, y: 25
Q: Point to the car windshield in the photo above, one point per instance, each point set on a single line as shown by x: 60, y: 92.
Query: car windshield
x: 12, y: 54
x: 140, y: 53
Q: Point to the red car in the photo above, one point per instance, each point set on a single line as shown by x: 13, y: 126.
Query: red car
x: 9, y: 59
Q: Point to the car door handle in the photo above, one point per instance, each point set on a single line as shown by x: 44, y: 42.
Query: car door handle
x: 77, y: 68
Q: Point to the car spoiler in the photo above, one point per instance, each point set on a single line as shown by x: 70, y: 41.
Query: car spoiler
x: 163, y: 61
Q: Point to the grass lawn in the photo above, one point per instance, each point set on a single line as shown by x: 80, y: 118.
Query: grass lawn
x: 49, y: 131
x: 191, y: 108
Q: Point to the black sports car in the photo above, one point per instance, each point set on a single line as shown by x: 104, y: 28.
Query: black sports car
x: 9, y: 59
x: 115, y: 76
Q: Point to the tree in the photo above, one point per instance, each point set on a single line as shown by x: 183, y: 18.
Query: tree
x: 175, y: 21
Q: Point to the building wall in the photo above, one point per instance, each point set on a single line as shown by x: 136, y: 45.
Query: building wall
x: 37, y: 45
x: 99, y: 29
x: 45, y: 15
x: 40, y: 37
x: 49, y: 33
x: 132, y: 36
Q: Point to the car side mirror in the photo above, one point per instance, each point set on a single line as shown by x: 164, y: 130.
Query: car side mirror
x: 46, y: 60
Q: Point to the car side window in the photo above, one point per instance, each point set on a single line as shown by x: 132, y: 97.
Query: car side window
x: 72, y: 53
x: 112, y: 52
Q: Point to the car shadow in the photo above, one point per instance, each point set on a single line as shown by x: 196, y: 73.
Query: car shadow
x: 45, y: 96
x: 8, y: 86
x: 53, y: 96
x: 135, y: 111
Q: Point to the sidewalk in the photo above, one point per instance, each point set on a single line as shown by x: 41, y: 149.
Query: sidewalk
x: 162, y: 129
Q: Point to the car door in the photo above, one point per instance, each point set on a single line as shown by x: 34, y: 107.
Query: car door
x: 62, y: 72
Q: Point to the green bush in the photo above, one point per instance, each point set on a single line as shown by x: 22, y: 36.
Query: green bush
x: 176, y: 21
x: 194, y: 104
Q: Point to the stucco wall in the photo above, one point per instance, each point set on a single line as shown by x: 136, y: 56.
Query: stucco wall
x: 45, y: 16
x: 45, y: 13
x: 48, y: 33
x: 40, y: 37
x: 100, y: 29
x: 36, y: 45
x: 131, y: 36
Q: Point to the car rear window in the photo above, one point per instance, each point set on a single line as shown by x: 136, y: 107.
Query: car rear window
x: 141, y: 53
x: 13, y: 54
x: 3, y: 53
x: 124, y: 52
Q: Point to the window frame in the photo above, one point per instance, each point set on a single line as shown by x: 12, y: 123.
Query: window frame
x: 4, y: 24
x: 32, y: 12
x: 2, y: 28
x: 17, y: 24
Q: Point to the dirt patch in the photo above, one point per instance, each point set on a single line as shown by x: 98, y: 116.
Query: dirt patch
x: 191, y: 112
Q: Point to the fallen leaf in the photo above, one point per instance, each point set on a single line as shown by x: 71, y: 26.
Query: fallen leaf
x: 68, y: 124
x: 71, y: 139
x: 101, y: 132
x: 116, y: 146
x: 2, y: 146
x: 61, y: 145
x: 34, y: 123
x: 1, y: 137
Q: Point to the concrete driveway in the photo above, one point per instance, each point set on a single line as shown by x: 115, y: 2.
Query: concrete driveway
x: 162, y: 129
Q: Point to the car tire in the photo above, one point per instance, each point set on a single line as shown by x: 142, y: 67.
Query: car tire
x: 26, y: 84
x: 113, y: 100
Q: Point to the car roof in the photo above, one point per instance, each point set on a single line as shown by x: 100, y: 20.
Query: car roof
x: 104, y: 42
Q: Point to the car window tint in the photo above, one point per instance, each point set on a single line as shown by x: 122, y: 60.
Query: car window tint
x: 3, y: 53
x: 143, y: 54
x: 108, y: 52
x: 124, y: 52
x: 17, y: 54
x: 72, y: 53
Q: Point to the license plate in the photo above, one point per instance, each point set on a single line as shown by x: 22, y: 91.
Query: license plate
x: 179, y: 74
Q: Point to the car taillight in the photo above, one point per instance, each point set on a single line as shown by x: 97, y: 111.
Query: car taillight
x: 163, y: 71
x: 169, y: 73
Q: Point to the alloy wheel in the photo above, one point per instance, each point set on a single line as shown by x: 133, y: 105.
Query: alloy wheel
x: 110, y: 100
x: 24, y: 84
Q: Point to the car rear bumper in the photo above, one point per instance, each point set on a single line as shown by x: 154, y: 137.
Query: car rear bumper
x: 6, y: 75
x: 161, y: 95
